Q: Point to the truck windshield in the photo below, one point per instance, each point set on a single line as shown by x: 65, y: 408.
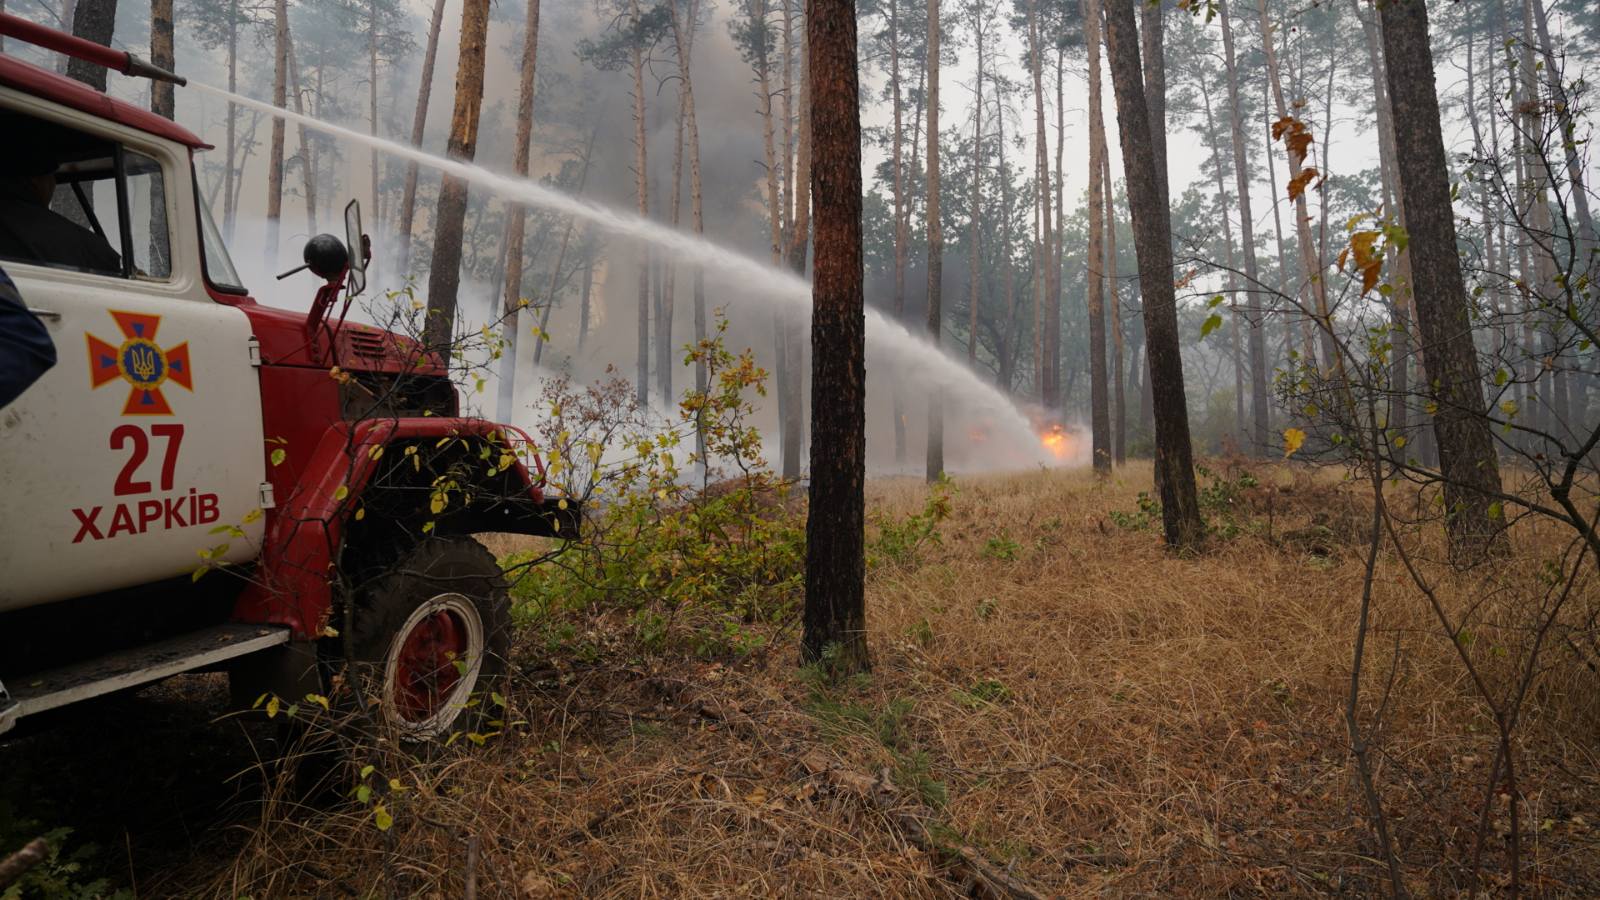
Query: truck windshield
x: 219, y: 266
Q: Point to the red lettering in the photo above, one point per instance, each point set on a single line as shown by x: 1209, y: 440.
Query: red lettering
x: 173, y: 512
x: 169, y: 460
x: 123, y: 434
x: 121, y: 521
x: 149, y: 511
x: 86, y: 525
x: 208, y: 510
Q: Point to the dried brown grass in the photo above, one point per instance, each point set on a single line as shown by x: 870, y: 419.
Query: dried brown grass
x: 1104, y: 718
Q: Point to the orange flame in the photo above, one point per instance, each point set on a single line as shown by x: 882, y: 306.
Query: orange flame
x: 1056, y: 441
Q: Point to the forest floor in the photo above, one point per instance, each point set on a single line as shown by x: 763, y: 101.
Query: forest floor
x: 1056, y: 702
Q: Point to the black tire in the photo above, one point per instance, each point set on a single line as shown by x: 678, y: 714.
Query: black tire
x: 429, y: 635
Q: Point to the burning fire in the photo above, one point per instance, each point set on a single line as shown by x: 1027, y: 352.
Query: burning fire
x: 1056, y: 440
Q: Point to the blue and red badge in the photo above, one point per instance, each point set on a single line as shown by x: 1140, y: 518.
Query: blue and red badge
x: 140, y: 362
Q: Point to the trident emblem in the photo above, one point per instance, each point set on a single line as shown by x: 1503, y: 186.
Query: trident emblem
x: 140, y: 362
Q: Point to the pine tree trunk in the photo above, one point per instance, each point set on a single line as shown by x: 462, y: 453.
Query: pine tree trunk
x: 230, y: 152
x: 308, y: 167
x: 1153, y: 57
x: 1316, y: 284
x: 372, y: 102
x: 1259, y: 399
x: 280, y: 99
x: 900, y: 224
x: 512, y: 300
x: 799, y: 241
x: 1562, y: 106
x: 683, y: 37
x: 1233, y: 267
x: 419, y: 122
x: 444, y: 277
x: 583, y: 301
x: 1044, y: 265
x: 1152, y: 230
x: 1099, y: 408
x: 1008, y: 348
x: 1119, y: 401
x: 641, y: 183
x: 935, y: 227
x: 835, y: 607
x: 975, y: 199
x: 1466, y: 447
x: 93, y: 20
x: 162, y: 101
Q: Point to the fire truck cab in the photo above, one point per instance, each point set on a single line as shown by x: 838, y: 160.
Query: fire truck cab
x: 205, y: 482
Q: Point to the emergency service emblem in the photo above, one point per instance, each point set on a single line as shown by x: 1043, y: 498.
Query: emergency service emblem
x: 141, y: 362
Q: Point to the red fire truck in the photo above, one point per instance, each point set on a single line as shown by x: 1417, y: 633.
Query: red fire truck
x: 204, y: 482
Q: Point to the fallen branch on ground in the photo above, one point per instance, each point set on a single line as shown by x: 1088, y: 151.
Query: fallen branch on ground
x: 17, y: 864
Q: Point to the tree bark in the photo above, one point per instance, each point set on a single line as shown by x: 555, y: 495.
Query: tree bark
x: 419, y: 122
x: 1152, y: 230
x: 1045, y: 343
x: 162, y: 101
x: 93, y: 20
x: 1466, y: 447
x: 683, y: 38
x: 1259, y: 364
x: 583, y: 300
x: 835, y: 608
x: 444, y: 277
x: 516, y: 216
x: 230, y: 151
x: 935, y: 227
x: 799, y: 242
x: 975, y: 196
x: 1099, y: 404
x: 641, y: 183
x: 900, y: 224
x: 1119, y: 400
x: 372, y: 102
x: 280, y: 99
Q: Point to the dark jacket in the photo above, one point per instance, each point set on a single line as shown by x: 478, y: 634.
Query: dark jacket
x: 26, y: 351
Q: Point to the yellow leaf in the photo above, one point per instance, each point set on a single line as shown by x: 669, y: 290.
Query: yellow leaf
x: 436, y: 503
x: 381, y: 818
x: 272, y: 707
x: 1293, y: 439
x: 251, y: 516
x: 342, y: 492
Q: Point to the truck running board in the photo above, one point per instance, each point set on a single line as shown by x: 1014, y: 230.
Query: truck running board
x: 134, y: 667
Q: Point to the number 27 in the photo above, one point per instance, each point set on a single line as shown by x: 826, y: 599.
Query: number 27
x: 123, y: 435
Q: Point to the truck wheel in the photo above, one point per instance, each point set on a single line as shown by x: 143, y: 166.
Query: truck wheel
x: 431, y: 635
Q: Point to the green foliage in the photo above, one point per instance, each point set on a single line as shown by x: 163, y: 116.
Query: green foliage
x: 67, y: 871
x: 1141, y: 519
x: 718, y: 556
x: 1002, y: 547
x: 900, y: 543
x: 1221, y: 502
x: 985, y: 692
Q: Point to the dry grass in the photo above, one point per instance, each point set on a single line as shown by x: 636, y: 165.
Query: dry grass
x: 1093, y: 713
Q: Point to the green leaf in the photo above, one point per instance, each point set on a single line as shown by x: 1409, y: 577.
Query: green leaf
x: 1214, y: 302
x: 278, y: 456
x: 1497, y: 510
x: 1212, y: 323
x: 381, y: 818
x: 1500, y: 377
x: 364, y: 795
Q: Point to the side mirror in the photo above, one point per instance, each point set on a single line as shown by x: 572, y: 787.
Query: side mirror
x: 360, y: 248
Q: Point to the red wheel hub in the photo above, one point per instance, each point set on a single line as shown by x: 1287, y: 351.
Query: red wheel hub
x: 427, y: 669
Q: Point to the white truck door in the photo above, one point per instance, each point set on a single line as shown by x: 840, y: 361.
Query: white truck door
x: 127, y: 461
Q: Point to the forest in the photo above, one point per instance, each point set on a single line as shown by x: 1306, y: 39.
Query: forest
x: 1024, y: 448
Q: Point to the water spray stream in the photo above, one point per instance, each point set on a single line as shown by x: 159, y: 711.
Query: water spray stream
x: 926, y: 365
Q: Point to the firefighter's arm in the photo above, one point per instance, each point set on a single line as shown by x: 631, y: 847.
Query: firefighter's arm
x: 26, y: 351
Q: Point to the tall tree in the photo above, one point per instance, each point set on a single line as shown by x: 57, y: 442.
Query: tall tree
x: 93, y: 20
x: 1152, y: 231
x: 162, y: 101
x: 684, y: 23
x: 1258, y: 341
x: 835, y: 605
x: 1466, y: 448
x: 799, y: 241
x: 1099, y: 405
x: 641, y: 182
x: 516, y: 215
x: 280, y: 99
x: 1119, y: 400
x: 900, y: 218
x: 1046, y: 343
x: 935, y: 246
x: 444, y: 275
x: 419, y: 123
x: 1316, y: 285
